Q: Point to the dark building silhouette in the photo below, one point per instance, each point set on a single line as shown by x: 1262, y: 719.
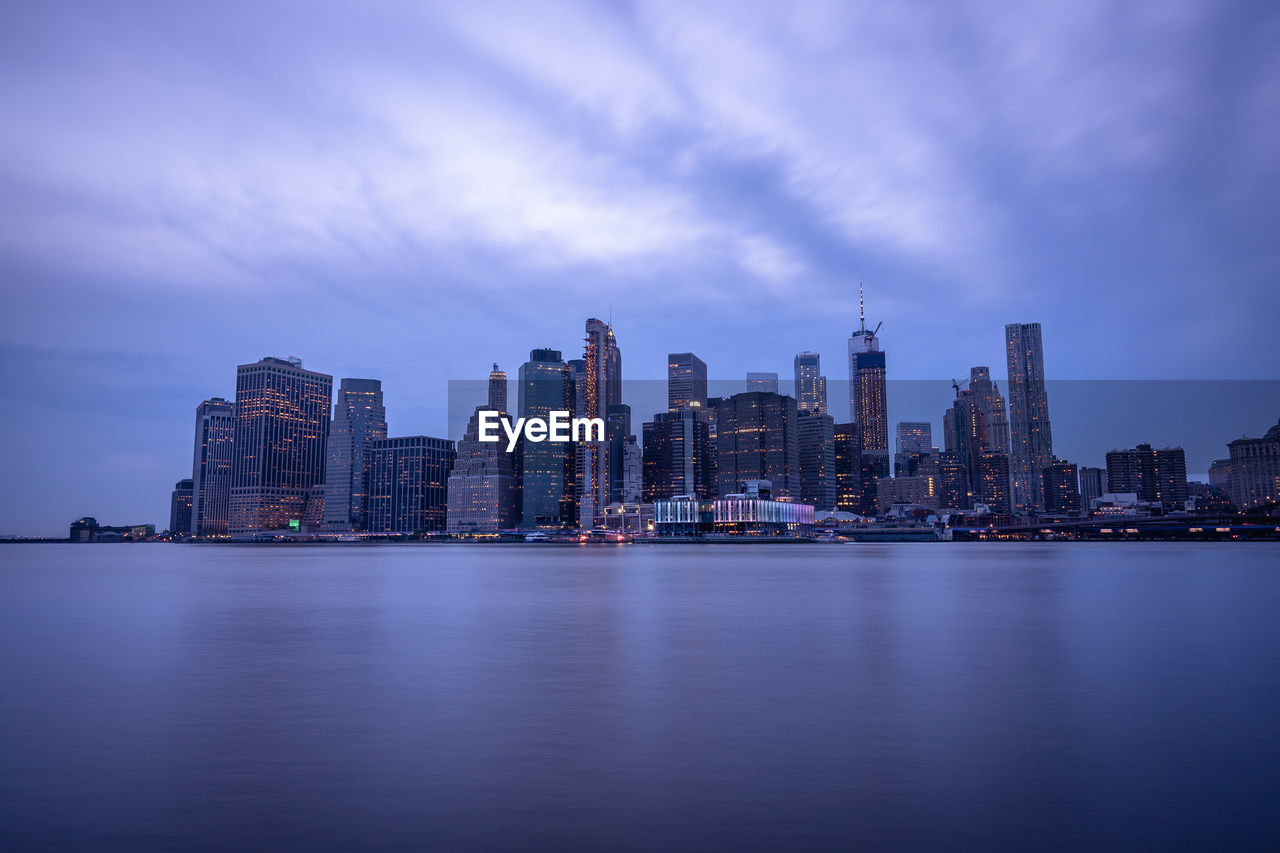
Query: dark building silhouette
x: 408, y: 484
x: 180, y: 507
x: 1061, y: 489
x: 278, y: 452
x: 848, y: 463
x: 1153, y: 475
x: 677, y: 457
x: 1093, y: 484
x: 757, y: 439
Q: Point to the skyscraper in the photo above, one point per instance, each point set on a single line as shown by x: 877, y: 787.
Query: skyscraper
x: 408, y: 484
x: 1030, y: 435
x: 756, y: 433
x: 545, y: 385
x: 677, y: 455
x: 686, y: 381
x: 484, y: 484
x: 811, y: 385
x: 992, y: 486
x: 180, y: 507
x: 848, y: 462
x: 359, y: 417
x: 912, y: 439
x: 1093, y: 484
x: 868, y: 404
x: 211, y: 468
x: 602, y: 388
x: 497, y: 389
x: 817, y: 454
x: 757, y: 381
x: 278, y: 452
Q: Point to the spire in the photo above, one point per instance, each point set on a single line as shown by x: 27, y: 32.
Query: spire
x: 862, y: 310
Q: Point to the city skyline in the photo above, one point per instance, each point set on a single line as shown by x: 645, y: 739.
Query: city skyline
x: 188, y: 189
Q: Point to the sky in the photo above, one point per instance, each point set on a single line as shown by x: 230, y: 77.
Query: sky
x: 414, y: 191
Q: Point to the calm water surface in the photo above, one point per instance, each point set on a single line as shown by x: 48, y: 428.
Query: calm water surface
x: 736, y: 697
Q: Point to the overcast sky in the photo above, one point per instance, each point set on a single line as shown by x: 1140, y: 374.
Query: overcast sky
x: 411, y: 192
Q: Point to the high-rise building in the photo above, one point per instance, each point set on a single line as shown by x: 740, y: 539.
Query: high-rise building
x: 868, y: 404
x: 817, y: 451
x: 632, y: 488
x: 953, y: 482
x: 811, y: 385
x: 601, y: 388
x: 1093, y: 484
x: 1255, y: 470
x: 677, y: 455
x: 686, y: 381
x: 211, y: 468
x: 1220, y: 475
x: 545, y: 385
x: 965, y: 432
x: 278, y: 449
x: 921, y: 491
x: 409, y: 484
x: 992, y: 484
x: 756, y: 433
x: 986, y: 396
x: 912, y: 439
x: 1153, y: 475
x: 617, y: 430
x: 497, y: 389
x: 484, y: 484
x: 359, y: 417
x: 767, y: 382
x: 180, y: 507
x: 1030, y: 435
x: 1061, y: 488
x: 848, y: 462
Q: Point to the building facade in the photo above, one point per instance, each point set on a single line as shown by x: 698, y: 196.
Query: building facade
x: 992, y: 485
x: 278, y: 450
x: 1255, y: 470
x: 811, y: 385
x: 359, y: 417
x: 816, y: 434
x: 757, y: 439
x: 677, y: 455
x: 1031, y: 438
x: 1093, y: 485
x: 484, y: 487
x: 1061, y: 488
x: 1154, y: 475
x: 409, y: 484
x: 686, y: 381
x: 211, y: 468
x: 180, y: 506
x: 546, y: 384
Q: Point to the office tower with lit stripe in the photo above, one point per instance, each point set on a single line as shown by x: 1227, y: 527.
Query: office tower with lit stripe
x: 211, y: 468
x: 686, y: 381
x: 545, y: 384
x: 601, y: 388
x: 408, y: 484
x: 359, y: 417
x: 484, y: 483
x: 811, y: 385
x: 816, y: 446
x: 1031, y: 438
x: 868, y: 405
x: 757, y: 439
x: 278, y: 450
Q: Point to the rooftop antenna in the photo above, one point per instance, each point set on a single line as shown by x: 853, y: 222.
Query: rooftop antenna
x: 862, y: 310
